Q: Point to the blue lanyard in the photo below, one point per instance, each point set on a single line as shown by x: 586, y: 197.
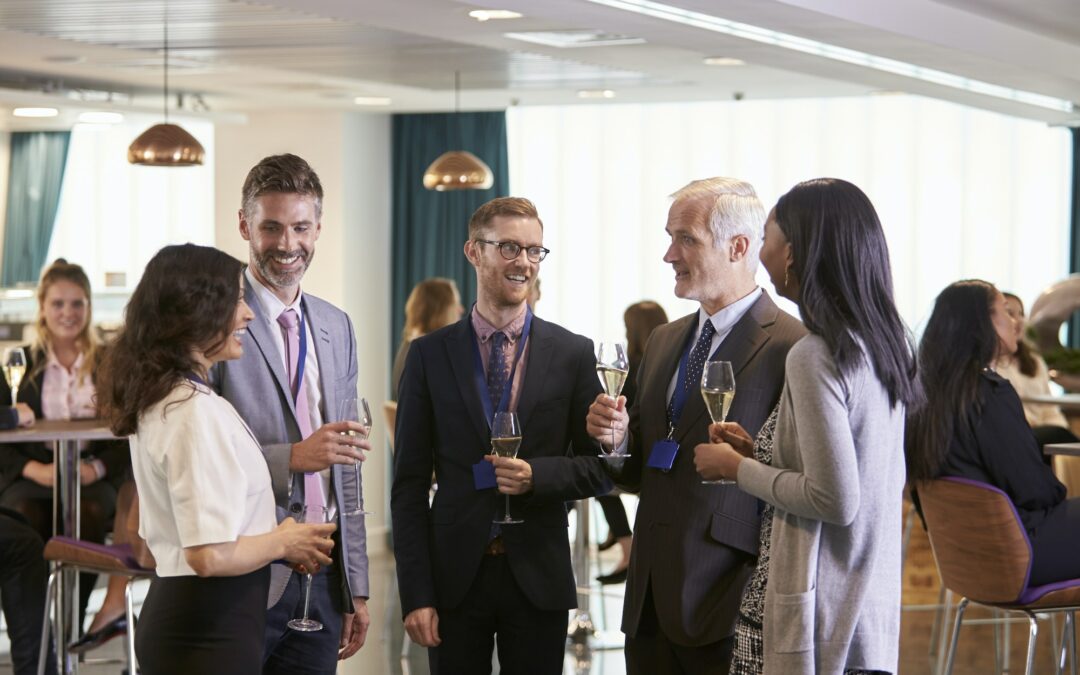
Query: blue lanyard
x: 478, y: 369
x: 301, y: 358
x: 192, y: 377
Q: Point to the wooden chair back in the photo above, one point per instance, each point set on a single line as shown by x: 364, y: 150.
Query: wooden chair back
x: 979, y: 543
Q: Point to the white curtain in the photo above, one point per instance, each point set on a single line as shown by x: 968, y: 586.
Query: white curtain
x: 961, y: 192
x: 115, y: 216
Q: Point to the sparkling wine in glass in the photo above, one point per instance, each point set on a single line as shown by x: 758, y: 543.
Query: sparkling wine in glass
x: 612, y: 367
x: 14, y: 370
x: 311, y: 514
x: 718, y: 390
x: 505, y: 441
x: 356, y: 410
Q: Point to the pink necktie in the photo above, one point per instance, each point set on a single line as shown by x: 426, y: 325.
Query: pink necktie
x: 290, y: 322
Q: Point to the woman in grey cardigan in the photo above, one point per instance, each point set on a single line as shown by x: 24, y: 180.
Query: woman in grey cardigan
x: 832, y: 604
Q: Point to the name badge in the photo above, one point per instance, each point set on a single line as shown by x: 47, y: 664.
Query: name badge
x: 663, y: 454
x: 483, y: 475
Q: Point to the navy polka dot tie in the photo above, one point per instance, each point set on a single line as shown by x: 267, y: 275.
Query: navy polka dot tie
x: 498, y: 371
x: 694, y: 365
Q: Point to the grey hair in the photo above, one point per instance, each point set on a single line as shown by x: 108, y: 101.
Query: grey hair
x: 734, y: 209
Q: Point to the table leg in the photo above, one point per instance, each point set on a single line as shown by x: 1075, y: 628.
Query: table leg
x: 67, y: 457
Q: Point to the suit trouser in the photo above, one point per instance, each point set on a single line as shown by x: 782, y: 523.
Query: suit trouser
x: 651, y: 652
x: 530, y: 640
x: 291, y: 652
x: 23, y: 572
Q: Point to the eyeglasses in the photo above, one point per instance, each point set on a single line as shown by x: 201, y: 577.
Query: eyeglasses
x: 510, y: 250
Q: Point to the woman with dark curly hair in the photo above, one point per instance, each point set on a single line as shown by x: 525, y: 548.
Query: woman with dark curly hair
x: 207, y: 508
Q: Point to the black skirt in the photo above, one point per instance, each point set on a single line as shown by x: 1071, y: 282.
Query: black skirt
x: 203, y: 625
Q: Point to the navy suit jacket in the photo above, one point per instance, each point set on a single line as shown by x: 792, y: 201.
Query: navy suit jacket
x: 441, y: 428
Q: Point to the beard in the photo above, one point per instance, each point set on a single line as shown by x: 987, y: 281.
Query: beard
x: 263, y: 263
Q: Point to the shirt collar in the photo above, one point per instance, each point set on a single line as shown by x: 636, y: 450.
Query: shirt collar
x: 271, y: 304
x: 484, y: 329
x: 52, y: 362
x: 726, y: 318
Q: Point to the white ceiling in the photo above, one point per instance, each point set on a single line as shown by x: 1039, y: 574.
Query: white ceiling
x: 231, y: 56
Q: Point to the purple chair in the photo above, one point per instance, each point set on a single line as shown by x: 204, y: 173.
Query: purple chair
x: 983, y: 554
x: 90, y: 557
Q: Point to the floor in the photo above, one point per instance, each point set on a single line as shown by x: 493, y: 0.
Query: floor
x: 383, y: 652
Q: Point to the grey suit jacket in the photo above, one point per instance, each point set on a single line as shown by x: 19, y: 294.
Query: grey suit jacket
x: 694, y: 545
x: 257, y: 386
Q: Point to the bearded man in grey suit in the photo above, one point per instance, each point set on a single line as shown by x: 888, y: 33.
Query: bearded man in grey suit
x: 695, y: 544
x: 288, y: 387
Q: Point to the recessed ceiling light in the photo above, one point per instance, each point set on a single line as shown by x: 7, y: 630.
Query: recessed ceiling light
x: 372, y: 100
x: 596, y: 93
x: 716, y: 24
x: 887, y: 92
x: 35, y: 112
x: 564, y: 39
x: 489, y: 14
x: 100, y: 117
x: 65, y: 59
x: 723, y: 61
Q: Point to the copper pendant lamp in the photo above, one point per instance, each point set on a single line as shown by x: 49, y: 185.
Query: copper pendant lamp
x: 458, y: 169
x: 166, y: 144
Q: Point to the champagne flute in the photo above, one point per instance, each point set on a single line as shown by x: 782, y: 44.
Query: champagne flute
x: 718, y: 390
x: 14, y: 370
x: 505, y: 441
x: 311, y: 514
x: 356, y: 410
x: 612, y: 367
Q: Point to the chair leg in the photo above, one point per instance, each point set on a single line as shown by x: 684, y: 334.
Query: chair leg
x: 1070, y: 636
x: 939, y: 633
x: 129, y: 609
x: 955, y: 635
x: 1033, y: 636
x: 46, y: 621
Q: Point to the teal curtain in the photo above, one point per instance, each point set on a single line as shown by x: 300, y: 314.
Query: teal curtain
x: 34, y: 180
x: 1074, y: 230
x: 431, y: 227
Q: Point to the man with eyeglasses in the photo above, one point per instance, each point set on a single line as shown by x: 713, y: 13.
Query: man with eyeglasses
x: 463, y: 579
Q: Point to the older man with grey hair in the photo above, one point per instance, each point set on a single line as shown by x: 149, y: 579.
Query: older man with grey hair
x: 695, y: 544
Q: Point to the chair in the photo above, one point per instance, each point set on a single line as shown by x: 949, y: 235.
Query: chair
x: 389, y: 409
x: 983, y: 554
x: 86, y: 556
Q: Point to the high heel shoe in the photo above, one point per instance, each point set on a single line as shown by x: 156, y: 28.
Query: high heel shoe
x: 616, y: 577
x: 607, y: 543
x: 95, y: 639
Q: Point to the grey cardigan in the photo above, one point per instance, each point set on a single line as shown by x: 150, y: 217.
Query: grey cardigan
x: 833, y: 599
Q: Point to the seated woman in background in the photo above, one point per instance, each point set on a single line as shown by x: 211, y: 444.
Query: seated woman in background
x: 1027, y: 373
x: 433, y: 303
x: 59, y: 385
x: 206, y: 504
x: 973, y: 425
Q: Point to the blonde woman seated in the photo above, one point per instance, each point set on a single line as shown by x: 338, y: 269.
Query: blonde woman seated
x: 433, y: 303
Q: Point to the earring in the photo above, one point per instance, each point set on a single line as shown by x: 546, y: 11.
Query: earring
x: 787, y: 271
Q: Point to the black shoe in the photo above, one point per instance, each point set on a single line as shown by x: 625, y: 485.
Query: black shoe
x: 616, y: 577
x: 95, y: 639
x: 607, y: 543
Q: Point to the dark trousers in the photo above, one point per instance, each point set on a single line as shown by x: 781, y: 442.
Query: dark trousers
x: 650, y: 652
x: 495, y: 612
x: 615, y: 515
x: 289, y: 652
x: 23, y: 574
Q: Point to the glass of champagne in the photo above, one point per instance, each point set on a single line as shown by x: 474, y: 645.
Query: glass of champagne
x: 612, y: 367
x: 356, y: 410
x: 718, y: 390
x: 311, y: 514
x: 505, y: 441
x: 14, y: 370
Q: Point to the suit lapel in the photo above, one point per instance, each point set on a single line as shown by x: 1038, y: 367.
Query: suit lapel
x: 460, y: 347
x: 532, y: 387
x: 261, y: 332
x: 670, y: 341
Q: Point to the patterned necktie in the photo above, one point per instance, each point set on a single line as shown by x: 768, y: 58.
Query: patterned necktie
x: 498, y: 371
x: 290, y: 323
x: 694, y: 365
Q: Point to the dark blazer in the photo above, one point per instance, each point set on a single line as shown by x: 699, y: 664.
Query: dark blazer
x: 441, y: 427
x: 113, y: 453
x: 696, y: 543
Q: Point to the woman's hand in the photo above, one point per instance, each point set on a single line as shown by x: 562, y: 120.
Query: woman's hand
x: 40, y: 473
x: 307, y: 545
x: 26, y: 414
x: 87, y: 473
x: 717, y: 461
x: 734, y: 435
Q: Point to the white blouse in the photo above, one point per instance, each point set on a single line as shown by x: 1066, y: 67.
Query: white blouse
x: 1037, y: 414
x: 201, y: 476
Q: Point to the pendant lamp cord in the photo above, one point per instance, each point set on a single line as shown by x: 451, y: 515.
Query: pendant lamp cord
x: 165, y: 102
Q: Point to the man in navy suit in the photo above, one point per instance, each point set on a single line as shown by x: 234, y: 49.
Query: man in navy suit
x: 463, y: 581
x: 288, y: 387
